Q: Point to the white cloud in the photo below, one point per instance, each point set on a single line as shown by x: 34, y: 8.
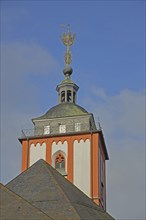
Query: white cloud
x: 24, y: 58
x: 18, y: 96
x: 123, y: 120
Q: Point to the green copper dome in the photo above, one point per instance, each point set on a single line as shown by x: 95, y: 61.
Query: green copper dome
x: 63, y: 110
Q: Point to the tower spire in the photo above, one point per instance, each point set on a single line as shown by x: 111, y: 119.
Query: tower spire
x: 67, y: 89
x: 68, y: 40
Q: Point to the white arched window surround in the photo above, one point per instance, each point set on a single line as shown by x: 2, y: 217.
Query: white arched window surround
x: 54, y: 158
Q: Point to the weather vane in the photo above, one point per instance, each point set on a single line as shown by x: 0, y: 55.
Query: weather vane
x: 68, y: 39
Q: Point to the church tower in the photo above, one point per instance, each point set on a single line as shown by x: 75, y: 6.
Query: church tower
x: 67, y: 138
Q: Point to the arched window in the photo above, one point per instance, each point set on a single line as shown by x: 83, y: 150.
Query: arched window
x: 60, y: 162
x: 63, y: 96
x: 69, y: 96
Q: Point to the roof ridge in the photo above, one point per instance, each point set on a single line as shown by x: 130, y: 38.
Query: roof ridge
x: 93, y: 205
x: 22, y: 173
x: 85, y: 204
x: 23, y: 199
x: 68, y: 198
x: 59, y: 186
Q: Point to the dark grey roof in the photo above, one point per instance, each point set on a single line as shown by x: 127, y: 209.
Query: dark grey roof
x: 50, y: 192
x: 13, y: 207
x: 63, y: 110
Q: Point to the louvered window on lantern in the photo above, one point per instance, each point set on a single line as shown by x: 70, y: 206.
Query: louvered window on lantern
x: 63, y: 96
x: 69, y: 96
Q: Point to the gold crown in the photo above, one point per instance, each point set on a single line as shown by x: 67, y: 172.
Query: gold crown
x: 68, y: 39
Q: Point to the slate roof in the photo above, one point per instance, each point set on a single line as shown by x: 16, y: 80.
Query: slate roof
x: 13, y: 207
x: 63, y: 110
x: 46, y: 189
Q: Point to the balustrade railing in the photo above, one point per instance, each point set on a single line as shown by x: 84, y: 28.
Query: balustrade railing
x: 52, y: 130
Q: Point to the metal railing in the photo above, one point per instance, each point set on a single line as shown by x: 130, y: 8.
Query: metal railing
x: 54, y: 130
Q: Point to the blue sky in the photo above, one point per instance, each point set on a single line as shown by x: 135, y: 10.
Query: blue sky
x: 109, y: 67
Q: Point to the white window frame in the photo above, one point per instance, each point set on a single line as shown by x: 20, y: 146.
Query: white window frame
x: 47, y: 129
x: 62, y: 128
x: 78, y: 126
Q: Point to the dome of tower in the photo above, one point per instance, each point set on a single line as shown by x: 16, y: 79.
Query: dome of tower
x: 63, y: 110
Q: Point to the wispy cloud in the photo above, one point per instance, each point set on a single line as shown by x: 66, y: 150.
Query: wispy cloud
x: 25, y: 58
x: 19, y: 97
x: 123, y: 120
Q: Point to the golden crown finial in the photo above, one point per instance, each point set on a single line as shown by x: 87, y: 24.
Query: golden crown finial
x: 68, y: 39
